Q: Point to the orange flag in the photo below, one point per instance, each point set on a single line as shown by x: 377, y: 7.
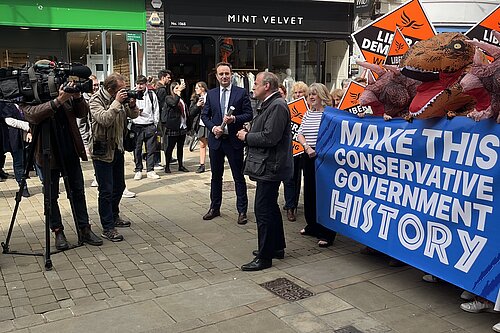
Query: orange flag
x: 398, y: 47
x: 375, y: 39
x: 350, y: 100
x: 298, y: 109
x: 483, y: 31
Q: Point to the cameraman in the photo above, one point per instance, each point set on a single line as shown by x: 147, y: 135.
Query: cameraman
x: 64, y: 109
x: 109, y: 107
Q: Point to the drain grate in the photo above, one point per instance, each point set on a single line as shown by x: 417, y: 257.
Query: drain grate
x: 347, y: 329
x: 287, y: 289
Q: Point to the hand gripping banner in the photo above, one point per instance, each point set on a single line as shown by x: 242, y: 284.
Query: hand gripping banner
x: 425, y: 192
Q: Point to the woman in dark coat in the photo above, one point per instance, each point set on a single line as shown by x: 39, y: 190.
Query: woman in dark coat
x: 175, y: 121
x: 197, y: 103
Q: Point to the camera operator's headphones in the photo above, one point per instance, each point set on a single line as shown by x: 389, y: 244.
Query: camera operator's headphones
x: 43, y: 64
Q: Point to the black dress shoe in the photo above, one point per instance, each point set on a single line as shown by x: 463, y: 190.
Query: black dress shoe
x: 257, y: 265
x: 201, y: 168
x: 211, y: 214
x: 3, y: 174
x: 279, y: 254
x: 61, y: 241
x: 89, y: 237
x: 242, y: 218
x: 167, y: 170
x: 183, y: 169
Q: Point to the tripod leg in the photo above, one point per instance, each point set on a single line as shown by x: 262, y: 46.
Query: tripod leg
x: 29, y: 163
x: 47, y: 187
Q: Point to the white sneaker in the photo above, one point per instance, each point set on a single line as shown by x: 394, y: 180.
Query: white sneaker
x: 158, y: 167
x: 467, y: 296
x: 138, y: 175
x: 128, y: 194
x: 496, y: 328
x: 477, y: 306
x: 94, y: 183
x: 152, y: 175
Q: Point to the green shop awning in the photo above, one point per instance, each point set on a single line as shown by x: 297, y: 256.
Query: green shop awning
x: 88, y: 14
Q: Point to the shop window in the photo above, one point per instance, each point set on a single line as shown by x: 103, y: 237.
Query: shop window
x: 244, y: 54
x: 122, y: 56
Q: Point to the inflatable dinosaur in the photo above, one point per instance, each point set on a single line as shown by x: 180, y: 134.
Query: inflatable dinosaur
x: 483, y: 81
x: 440, y: 63
x: 391, y: 94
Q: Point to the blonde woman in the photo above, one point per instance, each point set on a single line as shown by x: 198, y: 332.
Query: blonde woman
x: 319, y: 99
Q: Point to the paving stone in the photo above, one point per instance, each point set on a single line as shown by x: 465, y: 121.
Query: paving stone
x: 259, y: 322
x: 79, y: 293
x: 211, y: 299
x: 61, y: 294
x: 368, y: 297
x: 55, y: 315
x: 411, y: 319
x: 324, y: 303
x: 6, y: 326
x: 29, y: 321
x: 355, y: 318
x: 42, y: 308
x: 95, y: 321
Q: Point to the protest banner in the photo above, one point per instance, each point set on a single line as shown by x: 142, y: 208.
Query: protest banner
x: 421, y: 192
x: 483, y: 31
x: 350, y: 100
x: 374, y: 40
x: 298, y: 109
x: 398, y: 48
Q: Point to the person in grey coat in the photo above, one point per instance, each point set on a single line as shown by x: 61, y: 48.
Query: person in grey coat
x: 269, y: 161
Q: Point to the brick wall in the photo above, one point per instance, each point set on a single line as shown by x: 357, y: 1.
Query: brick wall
x: 155, y: 42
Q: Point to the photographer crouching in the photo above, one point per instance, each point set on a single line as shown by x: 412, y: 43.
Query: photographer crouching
x: 109, y: 108
x: 64, y: 109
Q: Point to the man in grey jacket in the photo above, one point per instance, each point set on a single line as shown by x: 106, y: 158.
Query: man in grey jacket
x: 269, y: 161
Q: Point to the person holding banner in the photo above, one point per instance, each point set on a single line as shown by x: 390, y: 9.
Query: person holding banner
x: 292, y: 185
x: 319, y: 99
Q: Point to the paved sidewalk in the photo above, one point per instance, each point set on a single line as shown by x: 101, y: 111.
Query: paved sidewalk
x: 177, y: 273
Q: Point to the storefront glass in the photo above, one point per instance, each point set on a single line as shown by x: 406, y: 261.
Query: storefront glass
x: 123, y: 56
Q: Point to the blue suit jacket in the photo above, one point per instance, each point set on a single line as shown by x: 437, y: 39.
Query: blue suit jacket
x: 212, y: 115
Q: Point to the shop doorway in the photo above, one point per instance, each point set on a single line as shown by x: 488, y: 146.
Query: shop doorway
x: 191, y: 59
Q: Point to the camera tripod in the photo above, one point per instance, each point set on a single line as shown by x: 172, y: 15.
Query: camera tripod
x: 44, y: 132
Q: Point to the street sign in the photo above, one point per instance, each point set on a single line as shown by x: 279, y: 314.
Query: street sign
x: 134, y: 37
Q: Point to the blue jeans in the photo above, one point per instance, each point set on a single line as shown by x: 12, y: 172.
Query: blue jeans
x: 111, y: 180
x: 18, y: 164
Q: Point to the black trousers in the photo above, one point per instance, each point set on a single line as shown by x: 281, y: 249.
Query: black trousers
x: 145, y: 134
x: 269, y: 222
x: 75, y: 180
x: 313, y: 227
x: 171, y: 141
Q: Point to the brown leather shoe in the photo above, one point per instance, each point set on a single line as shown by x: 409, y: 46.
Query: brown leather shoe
x: 242, y: 218
x: 290, y: 215
x: 211, y: 214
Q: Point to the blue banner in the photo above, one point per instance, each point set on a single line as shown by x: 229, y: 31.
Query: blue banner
x: 422, y: 192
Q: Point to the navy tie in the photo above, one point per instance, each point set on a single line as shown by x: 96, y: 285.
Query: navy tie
x: 223, y: 102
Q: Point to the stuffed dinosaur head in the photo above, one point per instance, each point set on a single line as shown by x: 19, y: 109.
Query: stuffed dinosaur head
x: 444, y: 53
x: 439, y: 62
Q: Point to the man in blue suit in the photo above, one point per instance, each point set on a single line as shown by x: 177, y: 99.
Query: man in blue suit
x: 222, y: 140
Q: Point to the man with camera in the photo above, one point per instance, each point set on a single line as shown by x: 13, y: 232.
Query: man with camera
x: 145, y: 126
x: 109, y: 108
x: 68, y: 144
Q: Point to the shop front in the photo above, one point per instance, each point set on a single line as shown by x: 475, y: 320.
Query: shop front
x: 298, y: 40
x: 107, y: 36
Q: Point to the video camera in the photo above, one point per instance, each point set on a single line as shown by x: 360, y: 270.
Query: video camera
x: 40, y: 82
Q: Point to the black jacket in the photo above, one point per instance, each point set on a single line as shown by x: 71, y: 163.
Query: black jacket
x: 269, y: 142
x: 170, y: 115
